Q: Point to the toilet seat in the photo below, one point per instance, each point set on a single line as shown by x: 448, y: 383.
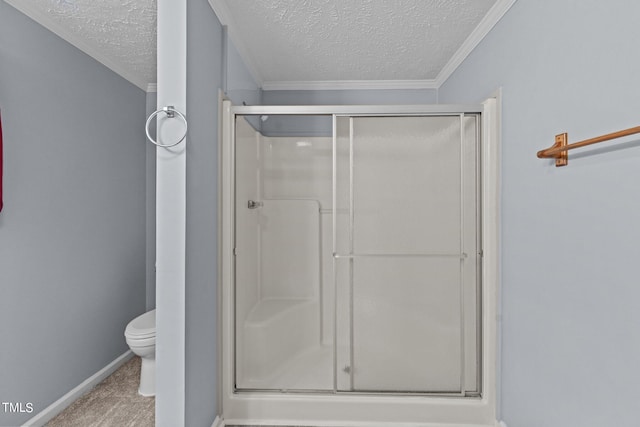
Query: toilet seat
x: 142, y: 327
x: 141, y: 343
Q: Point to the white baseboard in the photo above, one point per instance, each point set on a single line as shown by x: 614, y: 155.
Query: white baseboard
x: 278, y: 423
x: 501, y: 424
x: 59, y: 405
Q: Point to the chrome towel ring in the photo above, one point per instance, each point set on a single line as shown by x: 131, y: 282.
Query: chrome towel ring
x: 171, y: 112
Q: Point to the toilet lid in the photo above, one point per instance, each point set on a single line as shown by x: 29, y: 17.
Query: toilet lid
x: 142, y: 326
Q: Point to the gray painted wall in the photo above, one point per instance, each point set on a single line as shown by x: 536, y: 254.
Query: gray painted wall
x: 570, y: 235
x: 72, y: 232
x: 350, y: 97
x: 150, y: 189
x: 241, y: 87
x: 205, y: 65
x: 204, y: 78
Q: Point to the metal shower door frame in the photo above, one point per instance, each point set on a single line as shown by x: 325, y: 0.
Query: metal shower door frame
x: 462, y: 255
x: 284, y: 408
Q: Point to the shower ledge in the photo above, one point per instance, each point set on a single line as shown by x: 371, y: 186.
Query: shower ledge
x: 277, y: 330
x: 271, y: 308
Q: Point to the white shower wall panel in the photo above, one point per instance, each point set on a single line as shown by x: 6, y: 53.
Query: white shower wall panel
x: 290, y: 249
x: 297, y: 168
x: 301, y: 168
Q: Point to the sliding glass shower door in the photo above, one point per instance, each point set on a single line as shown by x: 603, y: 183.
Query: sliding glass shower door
x: 357, y: 254
x: 284, y: 319
x: 406, y: 254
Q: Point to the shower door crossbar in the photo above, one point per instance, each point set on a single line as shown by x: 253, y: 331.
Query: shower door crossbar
x: 419, y: 255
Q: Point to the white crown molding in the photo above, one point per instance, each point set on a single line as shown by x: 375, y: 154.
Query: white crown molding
x: 78, y: 42
x: 477, y: 35
x: 152, y: 87
x: 350, y: 84
x: 224, y: 16
x: 486, y: 24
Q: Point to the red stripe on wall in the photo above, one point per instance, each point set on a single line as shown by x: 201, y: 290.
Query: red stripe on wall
x: 0, y: 164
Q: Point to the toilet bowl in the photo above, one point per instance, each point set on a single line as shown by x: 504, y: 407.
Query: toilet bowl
x: 140, y: 335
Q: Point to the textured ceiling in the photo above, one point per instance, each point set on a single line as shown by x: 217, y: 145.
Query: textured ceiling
x: 289, y: 40
x: 121, y: 33
x: 315, y: 40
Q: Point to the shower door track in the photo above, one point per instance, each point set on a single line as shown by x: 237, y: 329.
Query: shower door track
x: 359, y: 110
x: 308, y: 408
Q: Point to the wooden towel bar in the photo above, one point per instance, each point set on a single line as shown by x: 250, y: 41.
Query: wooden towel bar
x: 559, y: 150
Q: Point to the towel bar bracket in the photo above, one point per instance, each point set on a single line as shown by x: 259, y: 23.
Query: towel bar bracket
x: 556, y: 151
x: 562, y: 158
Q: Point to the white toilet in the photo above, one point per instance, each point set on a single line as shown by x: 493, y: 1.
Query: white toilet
x: 140, y: 335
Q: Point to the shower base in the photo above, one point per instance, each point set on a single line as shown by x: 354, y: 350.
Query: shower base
x: 308, y: 370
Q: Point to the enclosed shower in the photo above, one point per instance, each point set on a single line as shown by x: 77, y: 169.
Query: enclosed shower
x: 356, y: 255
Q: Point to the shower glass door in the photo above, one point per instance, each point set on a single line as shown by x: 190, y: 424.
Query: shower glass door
x: 284, y: 316
x: 356, y: 254
x: 406, y: 254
